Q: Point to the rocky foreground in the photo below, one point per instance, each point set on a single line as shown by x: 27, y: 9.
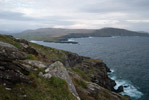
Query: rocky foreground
x: 30, y: 71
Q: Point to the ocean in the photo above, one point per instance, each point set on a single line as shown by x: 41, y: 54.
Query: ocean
x: 127, y: 57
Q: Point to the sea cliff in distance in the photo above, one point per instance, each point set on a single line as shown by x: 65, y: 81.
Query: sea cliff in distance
x: 59, y: 34
x: 29, y: 71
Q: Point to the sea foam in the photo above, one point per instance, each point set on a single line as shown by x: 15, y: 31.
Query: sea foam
x: 129, y: 88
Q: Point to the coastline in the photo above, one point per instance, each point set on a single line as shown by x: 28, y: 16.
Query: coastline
x: 129, y: 88
x: 65, y: 70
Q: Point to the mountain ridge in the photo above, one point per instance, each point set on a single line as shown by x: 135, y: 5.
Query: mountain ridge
x: 60, y: 34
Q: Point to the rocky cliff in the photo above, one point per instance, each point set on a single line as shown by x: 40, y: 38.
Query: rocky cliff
x: 30, y: 71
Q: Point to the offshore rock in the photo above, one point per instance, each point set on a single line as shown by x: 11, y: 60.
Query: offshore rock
x: 120, y: 89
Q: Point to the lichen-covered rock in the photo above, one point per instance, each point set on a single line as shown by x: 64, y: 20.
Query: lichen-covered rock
x: 57, y: 69
x: 93, y: 89
x: 8, y: 52
x: 36, y: 63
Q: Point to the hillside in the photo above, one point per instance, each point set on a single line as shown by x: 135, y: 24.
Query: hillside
x: 55, y: 34
x: 49, y: 33
x: 30, y: 71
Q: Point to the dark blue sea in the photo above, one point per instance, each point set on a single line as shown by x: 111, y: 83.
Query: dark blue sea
x: 127, y: 57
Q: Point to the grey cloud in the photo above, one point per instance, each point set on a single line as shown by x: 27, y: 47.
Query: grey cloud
x: 72, y: 12
x: 13, y: 16
x: 117, y: 6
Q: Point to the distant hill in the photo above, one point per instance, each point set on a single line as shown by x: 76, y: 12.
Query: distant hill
x: 59, y: 34
x: 4, y: 32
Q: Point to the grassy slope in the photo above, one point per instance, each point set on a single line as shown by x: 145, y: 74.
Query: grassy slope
x: 40, y: 89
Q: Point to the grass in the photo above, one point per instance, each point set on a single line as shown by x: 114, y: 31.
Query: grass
x: 31, y: 57
x: 81, y: 73
x: 80, y: 83
x: 9, y: 39
x: 39, y: 89
x: 51, y: 53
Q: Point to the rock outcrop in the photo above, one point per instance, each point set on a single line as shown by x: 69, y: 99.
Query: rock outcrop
x: 57, y: 69
x: 11, y: 72
x: 8, y: 52
x: 36, y: 63
x: 120, y: 89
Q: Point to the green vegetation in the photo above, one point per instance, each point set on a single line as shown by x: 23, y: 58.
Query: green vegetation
x: 9, y: 39
x: 39, y: 89
x: 81, y: 73
x: 80, y: 83
x: 51, y: 53
x: 31, y: 57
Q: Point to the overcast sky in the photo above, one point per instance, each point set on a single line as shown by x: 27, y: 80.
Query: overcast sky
x: 17, y: 15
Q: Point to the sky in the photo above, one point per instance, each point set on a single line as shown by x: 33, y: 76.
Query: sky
x: 19, y: 15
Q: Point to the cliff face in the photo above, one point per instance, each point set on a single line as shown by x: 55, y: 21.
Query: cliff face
x: 30, y: 71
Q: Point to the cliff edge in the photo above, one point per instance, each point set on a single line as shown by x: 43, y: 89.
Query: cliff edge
x: 29, y: 71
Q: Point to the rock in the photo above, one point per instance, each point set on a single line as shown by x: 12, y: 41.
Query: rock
x: 96, y: 92
x: 27, y: 66
x: 22, y: 41
x: 48, y: 75
x: 100, y: 70
x: 8, y: 52
x: 29, y: 49
x: 126, y: 86
x: 36, y: 63
x: 120, y: 89
x: 8, y: 89
x: 57, y: 69
x: 107, y: 69
x: 72, y: 59
x: 113, y: 83
x: 40, y: 74
x: 93, y: 89
x: 12, y: 73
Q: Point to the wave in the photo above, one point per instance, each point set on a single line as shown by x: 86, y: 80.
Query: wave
x: 129, y: 88
x: 71, y: 39
x: 33, y: 41
x: 90, y: 37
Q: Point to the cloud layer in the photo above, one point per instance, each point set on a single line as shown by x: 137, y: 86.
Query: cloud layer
x: 18, y: 15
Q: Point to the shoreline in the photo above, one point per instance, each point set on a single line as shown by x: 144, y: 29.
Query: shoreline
x: 129, y: 88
